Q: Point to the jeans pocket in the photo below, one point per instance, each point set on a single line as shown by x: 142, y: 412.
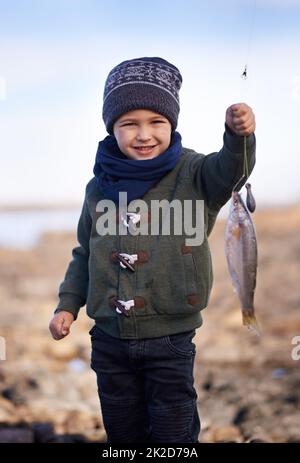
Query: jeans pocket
x: 181, y: 343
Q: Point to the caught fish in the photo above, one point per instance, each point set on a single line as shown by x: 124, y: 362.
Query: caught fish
x: 241, y: 254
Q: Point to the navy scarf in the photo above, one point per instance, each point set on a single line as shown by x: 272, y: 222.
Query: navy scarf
x: 116, y: 173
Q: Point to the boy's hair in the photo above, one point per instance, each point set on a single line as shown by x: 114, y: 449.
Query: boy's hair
x: 142, y: 83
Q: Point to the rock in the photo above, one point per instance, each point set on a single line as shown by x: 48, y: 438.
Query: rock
x: 43, y: 432
x: 32, y: 383
x: 77, y: 420
x: 16, y: 435
x: 257, y: 440
x: 224, y: 434
x: 7, y: 412
x: 240, y: 416
x: 69, y: 438
x: 78, y: 365
x: 294, y: 440
x: 278, y: 373
x: 62, y: 350
x: 13, y: 394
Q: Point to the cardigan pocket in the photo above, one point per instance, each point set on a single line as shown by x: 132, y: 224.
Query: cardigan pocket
x: 190, y: 273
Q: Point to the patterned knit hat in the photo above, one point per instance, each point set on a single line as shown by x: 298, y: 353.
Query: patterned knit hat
x: 142, y: 83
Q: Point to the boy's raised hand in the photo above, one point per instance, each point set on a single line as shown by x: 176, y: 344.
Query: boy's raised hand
x: 60, y: 324
x: 240, y: 119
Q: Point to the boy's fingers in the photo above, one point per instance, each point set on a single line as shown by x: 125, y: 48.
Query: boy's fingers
x: 57, y: 329
x: 60, y: 325
x: 237, y: 109
x: 65, y: 331
x: 243, y: 124
x: 241, y: 120
x: 65, y: 328
x: 240, y: 109
x: 54, y: 332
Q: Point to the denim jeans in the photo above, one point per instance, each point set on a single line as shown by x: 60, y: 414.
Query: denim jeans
x: 146, y: 387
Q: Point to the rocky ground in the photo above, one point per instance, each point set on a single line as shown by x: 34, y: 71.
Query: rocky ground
x: 248, y: 387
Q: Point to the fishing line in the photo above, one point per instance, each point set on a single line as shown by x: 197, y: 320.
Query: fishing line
x: 253, y: 17
x: 244, y: 76
x: 246, y: 170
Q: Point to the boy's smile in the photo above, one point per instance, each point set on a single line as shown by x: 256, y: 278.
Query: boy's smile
x: 142, y: 134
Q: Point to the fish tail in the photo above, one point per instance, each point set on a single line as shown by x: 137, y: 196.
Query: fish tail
x: 250, y: 321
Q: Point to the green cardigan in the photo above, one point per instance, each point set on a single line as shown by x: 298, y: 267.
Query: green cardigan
x: 172, y: 280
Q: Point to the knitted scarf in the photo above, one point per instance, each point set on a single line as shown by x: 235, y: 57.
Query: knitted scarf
x: 116, y: 173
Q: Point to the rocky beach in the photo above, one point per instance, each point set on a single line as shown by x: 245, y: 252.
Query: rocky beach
x: 248, y: 387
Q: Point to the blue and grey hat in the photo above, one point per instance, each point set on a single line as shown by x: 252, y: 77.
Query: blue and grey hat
x: 142, y: 83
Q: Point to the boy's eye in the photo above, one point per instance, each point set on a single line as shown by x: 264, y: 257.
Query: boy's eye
x: 127, y: 124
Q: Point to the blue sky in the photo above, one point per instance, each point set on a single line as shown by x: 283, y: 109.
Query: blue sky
x: 84, y: 18
x: 55, y: 56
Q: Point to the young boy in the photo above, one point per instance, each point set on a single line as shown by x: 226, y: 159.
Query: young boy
x: 144, y: 287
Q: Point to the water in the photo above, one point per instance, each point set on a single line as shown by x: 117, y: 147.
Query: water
x: 22, y: 229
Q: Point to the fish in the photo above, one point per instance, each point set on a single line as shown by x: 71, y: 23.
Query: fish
x: 241, y: 255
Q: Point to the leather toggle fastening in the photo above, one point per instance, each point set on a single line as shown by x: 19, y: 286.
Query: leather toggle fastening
x: 123, y: 306
x: 127, y: 260
x: 131, y: 217
x: 142, y: 257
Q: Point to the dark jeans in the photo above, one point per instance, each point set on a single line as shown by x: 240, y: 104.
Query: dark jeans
x: 146, y: 387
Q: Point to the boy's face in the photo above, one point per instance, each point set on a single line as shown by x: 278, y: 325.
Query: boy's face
x: 142, y: 134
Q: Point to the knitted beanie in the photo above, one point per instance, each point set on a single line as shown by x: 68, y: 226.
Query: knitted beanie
x: 142, y: 83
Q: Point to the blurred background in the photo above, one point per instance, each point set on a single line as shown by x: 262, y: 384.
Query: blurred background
x: 54, y: 59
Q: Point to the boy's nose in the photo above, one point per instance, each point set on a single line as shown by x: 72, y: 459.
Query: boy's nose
x: 143, y: 135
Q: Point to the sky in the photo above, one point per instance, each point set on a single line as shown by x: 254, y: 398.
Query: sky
x: 55, y: 57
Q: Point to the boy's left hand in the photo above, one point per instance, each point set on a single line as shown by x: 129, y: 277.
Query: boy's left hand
x: 240, y: 119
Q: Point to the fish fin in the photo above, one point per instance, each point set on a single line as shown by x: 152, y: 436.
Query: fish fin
x: 250, y: 321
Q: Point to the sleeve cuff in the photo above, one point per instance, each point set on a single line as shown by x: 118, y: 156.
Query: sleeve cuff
x: 69, y: 303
